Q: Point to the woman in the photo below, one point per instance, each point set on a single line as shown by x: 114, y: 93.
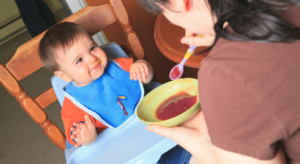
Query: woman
x: 36, y: 15
x: 248, y: 84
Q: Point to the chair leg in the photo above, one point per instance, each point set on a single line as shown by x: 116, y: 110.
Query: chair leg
x: 32, y: 108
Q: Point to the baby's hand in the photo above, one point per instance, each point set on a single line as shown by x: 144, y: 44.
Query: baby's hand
x: 84, y: 133
x: 139, y: 71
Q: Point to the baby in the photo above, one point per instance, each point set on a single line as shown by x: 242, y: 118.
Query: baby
x: 100, y: 93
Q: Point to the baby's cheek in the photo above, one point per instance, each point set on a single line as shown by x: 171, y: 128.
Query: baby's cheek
x: 81, y: 71
x: 104, y: 61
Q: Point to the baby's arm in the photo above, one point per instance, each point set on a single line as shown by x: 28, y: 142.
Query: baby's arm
x: 84, y: 133
x: 141, y: 70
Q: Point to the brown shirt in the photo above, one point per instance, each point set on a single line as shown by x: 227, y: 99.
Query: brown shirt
x: 250, y: 96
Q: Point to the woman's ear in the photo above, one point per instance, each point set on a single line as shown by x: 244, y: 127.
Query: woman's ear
x: 183, y: 5
x: 62, y: 75
x: 187, y: 5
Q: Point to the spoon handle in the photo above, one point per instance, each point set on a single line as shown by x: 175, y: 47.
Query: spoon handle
x: 191, y: 49
x: 183, y: 61
x: 189, y: 52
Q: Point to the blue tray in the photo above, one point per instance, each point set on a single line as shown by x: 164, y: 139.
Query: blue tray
x: 132, y: 144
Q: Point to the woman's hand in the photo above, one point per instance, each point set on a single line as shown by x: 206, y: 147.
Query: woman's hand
x: 193, y: 40
x: 191, y: 135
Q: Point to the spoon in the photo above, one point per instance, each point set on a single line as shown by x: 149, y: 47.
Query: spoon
x: 177, y: 70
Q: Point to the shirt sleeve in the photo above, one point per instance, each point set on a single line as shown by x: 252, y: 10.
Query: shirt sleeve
x: 70, y: 113
x: 237, y: 118
x: 125, y: 63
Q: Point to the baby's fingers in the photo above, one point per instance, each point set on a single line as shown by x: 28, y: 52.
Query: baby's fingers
x: 133, y: 75
x: 77, y: 135
x: 75, y: 129
x: 146, y: 70
x: 87, y: 120
x: 138, y: 73
x: 78, y: 125
x: 79, y: 143
x: 143, y: 75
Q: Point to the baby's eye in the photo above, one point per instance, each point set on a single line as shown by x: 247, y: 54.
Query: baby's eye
x: 79, y: 61
x: 92, y: 48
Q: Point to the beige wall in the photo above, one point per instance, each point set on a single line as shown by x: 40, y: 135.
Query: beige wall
x: 8, y: 11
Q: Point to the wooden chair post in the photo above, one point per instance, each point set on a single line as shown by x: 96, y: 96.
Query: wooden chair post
x: 131, y: 37
x: 32, y: 108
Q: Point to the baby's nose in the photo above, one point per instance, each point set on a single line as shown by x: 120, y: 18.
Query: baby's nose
x: 92, y: 58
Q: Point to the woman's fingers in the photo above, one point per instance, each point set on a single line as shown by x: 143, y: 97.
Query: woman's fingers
x: 160, y: 130
x: 188, y: 33
x: 187, y: 134
x: 178, y: 134
x: 204, y: 40
x: 182, y: 135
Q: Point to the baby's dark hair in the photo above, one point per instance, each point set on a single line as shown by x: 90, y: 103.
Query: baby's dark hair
x: 59, y: 36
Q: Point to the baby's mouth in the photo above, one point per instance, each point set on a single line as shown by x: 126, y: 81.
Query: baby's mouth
x: 96, y: 67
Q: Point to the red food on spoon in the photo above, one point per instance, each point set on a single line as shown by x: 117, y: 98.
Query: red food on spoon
x: 175, y: 73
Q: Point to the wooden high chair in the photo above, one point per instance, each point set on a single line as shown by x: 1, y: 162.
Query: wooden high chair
x: 26, y: 61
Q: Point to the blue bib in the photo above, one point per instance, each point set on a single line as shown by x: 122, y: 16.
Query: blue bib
x: 113, y: 96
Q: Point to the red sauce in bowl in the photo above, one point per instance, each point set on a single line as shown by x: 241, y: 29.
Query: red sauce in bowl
x: 175, y: 105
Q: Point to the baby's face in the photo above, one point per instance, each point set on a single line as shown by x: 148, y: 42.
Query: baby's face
x: 83, y: 63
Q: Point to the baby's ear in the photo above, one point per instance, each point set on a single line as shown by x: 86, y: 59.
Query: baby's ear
x: 62, y: 75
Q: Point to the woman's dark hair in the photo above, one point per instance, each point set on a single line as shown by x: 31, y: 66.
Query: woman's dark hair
x: 251, y: 20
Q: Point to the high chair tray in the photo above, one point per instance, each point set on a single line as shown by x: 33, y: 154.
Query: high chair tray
x: 132, y: 144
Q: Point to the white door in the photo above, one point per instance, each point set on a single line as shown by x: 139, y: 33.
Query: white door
x: 76, y: 5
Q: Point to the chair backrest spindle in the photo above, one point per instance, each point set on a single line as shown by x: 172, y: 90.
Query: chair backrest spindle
x: 131, y: 37
x: 46, y: 98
